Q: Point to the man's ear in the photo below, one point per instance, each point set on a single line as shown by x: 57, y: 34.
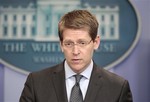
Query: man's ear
x: 96, y: 42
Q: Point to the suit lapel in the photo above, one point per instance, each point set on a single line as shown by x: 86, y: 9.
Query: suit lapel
x: 95, y: 85
x: 59, y: 83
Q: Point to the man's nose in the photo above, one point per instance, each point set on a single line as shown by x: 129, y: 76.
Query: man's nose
x: 76, y: 50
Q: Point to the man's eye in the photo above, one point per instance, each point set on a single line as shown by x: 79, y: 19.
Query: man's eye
x: 82, y: 43
x: 68, y: 44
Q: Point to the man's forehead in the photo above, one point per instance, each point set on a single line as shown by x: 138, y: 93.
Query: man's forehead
x: 75, y: 33
x: 76, y: 40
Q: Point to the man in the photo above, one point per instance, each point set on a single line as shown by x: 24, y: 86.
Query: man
x: 78, y: 40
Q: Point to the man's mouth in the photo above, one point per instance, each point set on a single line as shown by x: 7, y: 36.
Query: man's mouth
x: 76, y: 60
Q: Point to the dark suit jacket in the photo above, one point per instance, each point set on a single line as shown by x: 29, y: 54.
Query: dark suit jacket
x: 49, y: 86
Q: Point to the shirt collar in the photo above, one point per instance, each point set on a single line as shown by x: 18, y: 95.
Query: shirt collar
x: 86, y: 73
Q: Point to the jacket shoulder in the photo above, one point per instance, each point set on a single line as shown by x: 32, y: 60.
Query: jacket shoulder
x: 110, y: 77
x: 47, y: 72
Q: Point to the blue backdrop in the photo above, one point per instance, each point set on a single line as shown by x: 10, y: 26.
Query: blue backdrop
x: 135, y: 68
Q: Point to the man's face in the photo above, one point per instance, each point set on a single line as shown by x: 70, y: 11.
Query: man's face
x: 78, y: 48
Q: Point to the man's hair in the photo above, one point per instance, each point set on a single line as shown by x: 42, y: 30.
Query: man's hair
x: 78, y: 19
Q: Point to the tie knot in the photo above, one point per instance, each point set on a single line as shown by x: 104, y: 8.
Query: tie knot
x: 78, y: 77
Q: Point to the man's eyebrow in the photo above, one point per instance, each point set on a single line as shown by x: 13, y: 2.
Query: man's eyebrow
x: 68, y: 40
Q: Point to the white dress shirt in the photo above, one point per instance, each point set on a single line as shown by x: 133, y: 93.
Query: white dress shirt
x: 70, y: 79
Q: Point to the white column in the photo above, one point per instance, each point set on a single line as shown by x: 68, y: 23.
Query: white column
x: 40, y: 18
x: 28, y: 25
x: 1, y: 27
x: 116, y: 20
x: 107, y: 28
x: 19, y: 25
x: 54, y: 19
x: 9, y: 25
